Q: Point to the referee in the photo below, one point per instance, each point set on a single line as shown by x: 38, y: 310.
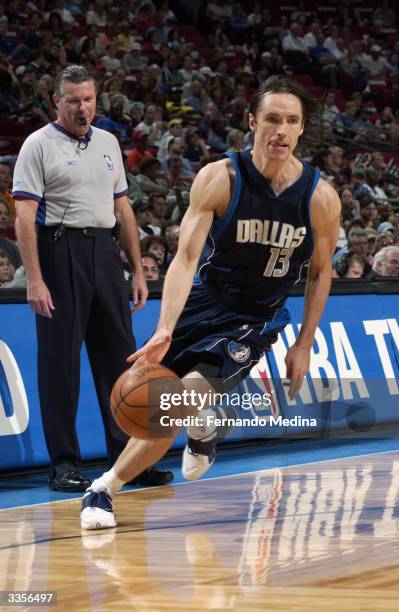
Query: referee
x: 70, y: 188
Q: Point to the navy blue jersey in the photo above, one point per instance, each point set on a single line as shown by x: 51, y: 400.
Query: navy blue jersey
x: 255, y: 252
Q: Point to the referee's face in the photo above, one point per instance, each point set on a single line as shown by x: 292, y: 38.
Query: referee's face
x: 76, y: 107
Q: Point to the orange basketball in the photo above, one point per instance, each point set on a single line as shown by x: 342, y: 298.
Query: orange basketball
x: 135, y: 399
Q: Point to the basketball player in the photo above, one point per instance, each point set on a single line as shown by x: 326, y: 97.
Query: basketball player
x: 261, y: 215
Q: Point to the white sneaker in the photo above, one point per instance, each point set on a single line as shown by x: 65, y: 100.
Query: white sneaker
x: 97, y: 511
x: 197, y: 458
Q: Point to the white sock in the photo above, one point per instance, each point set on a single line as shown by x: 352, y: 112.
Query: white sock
x: 208, y: 431
x: 108, y: 482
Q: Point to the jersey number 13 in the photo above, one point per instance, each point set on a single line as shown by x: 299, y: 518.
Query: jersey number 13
x: 279, y: 262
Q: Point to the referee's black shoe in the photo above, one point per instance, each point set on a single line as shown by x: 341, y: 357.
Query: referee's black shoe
x: 71, y: 481
x: 152, y: 477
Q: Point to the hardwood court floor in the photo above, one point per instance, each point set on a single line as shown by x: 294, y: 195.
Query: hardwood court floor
x: 321, y: 536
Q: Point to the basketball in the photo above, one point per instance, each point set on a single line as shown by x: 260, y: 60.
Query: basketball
x: 135, y: 399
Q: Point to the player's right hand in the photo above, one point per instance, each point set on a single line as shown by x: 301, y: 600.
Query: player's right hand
x: 39, y: 298
x: 154, y: 350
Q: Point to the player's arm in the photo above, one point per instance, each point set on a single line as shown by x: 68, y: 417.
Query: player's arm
x: 325, y: 215
x: 130, y: 242
x: 209, y: 193
x: 38, y: 295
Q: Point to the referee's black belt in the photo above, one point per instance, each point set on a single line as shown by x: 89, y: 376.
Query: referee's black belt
x: 45, y: 230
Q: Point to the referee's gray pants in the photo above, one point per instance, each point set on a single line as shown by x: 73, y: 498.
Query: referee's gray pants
x: 84, y: 274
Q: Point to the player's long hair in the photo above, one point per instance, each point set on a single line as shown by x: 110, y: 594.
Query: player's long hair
x: 311, y: 109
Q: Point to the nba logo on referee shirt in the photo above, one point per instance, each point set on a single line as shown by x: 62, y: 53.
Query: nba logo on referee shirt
x: 109, y: 162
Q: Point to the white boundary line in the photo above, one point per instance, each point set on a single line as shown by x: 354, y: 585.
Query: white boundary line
x: 187, y: 482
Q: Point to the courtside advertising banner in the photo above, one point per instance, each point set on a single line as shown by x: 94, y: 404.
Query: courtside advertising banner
x: 352, y: 386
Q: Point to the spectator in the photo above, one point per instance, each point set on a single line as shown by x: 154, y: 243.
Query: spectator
x: 134, y: 60
x: 136, y: 113
x: 97, y: 15
x: 150, y: 267
x: 385, y: 210
x: 64, y: 13
x: 91, y: 41
x: 195, y: 148
x: 372, y: 185
x: 385, y: 14
x: 351, y: 67
x: 5, y: 195
x: 158, y: 209
x: 330, y: 110
x: 293, y: 43
x: 175, y: 130
x: 110, y: 88
x: 384, y: 122
x: 7, y: 44
x: 172, y: 233
x: 19, y: 280
x: 214, y: 12
x: 217, y: 136
x: 310, y: 39
x: 386, y: 263
x: 157, y: 246
x: 187, y: 72
x: 175, y: 174
x: 116, y: 123
x: 41, y: 102
x: 235, y: 140
x: 351, y: 266
x: 386, y: 226
x: 6, y: 268
x: 330, y: 42
x: 368, y: 212
x: 145, y: 91
x: 125, y: 40
x: 7, y: 245
x: 325, y: 61
x: 198, y: 96
x: 359, y: 187
x: 176, y: 148
x: 376, y: 64
x: 109, y: 60
x: 171, y: 76
x: 151, y: 178
x: 254, y: 18
x: 357, y: 245
x: 151, y: 125
x: 140, y: 152
x: 346, y: 120
x: 237, y: 21
x: 383, y: 239
x: 143, y: 210
x: 350, y: 206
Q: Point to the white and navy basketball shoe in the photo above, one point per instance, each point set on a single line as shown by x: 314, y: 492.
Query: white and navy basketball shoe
x: 200, y: 451
x: 197, y: 458
x: 97, y: 511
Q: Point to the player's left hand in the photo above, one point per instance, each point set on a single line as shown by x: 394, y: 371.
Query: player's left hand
x: 139, y: 291
x: 297, y: 361
x: 154, y: 350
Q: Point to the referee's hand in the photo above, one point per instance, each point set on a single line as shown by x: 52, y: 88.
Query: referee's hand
x: 39, y: 298
x: 139, y: 291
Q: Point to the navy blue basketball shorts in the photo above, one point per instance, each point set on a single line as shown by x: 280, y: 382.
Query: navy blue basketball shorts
x: 212, y: 339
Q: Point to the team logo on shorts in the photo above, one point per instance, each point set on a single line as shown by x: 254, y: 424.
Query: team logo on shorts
x: 239, y: 352
x: 109, y: 162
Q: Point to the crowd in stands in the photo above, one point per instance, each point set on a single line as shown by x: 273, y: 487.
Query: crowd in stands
x: 174, y: 80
